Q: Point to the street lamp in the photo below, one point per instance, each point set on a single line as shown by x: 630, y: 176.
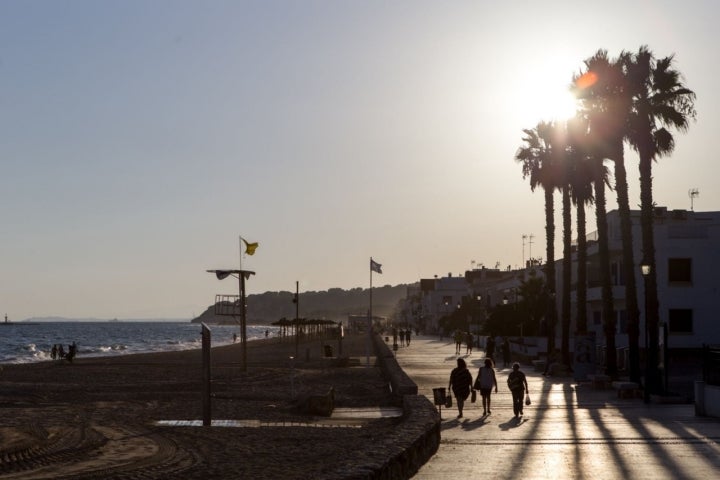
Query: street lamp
x: 645, y: 269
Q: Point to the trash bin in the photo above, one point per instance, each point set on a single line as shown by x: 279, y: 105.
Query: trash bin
x: 439, y: 396
x: 328, y: 350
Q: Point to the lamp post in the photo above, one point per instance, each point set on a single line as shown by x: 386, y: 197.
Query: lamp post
x: 649, y: 368
x: 296, y: 301
x: 478, y: 299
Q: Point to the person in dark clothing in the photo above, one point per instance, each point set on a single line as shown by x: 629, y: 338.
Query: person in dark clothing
x: 460, y: 383
x: 519, y: 387
x: 506, y: 352
x: 485, y: 382
x: 490, y: 347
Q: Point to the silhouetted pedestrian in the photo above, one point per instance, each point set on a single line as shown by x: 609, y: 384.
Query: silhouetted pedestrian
x: 460, y: 383
x: 517, y: 383
x: 468, y: 343
x: 490, y: 347
x: 458, y: 341
x: 506, y: 352
x: 484, y: 382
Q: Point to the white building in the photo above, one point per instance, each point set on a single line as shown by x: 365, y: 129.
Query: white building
x: 687, y: 258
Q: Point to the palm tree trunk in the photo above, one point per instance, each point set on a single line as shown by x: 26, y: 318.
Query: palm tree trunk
x: 608, y: 311
x: 551, y: 314
x: 581, y: 289
x: 631, y: 301
x: 567, y: 275
x: 652, y: 307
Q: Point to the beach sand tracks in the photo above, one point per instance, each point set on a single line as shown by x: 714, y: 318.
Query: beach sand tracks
x: 99, y: 452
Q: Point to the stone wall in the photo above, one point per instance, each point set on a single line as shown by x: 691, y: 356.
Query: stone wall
x: 413, y: 442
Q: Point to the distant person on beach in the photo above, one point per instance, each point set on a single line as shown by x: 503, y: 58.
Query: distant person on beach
x: 484, y: 382
x: 54, y: 352
x: 72, y: 351
x: 234, y: 337
x: 460, y: 383
x: 267, y: 332
x: 517, y: 383
x: 61, y: 352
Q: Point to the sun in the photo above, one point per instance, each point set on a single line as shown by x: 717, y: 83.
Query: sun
x: 546, y: 102
x: 542, y: 91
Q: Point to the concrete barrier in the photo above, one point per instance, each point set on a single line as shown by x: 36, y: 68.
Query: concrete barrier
x: 400, y: 383
x: 707, y: 400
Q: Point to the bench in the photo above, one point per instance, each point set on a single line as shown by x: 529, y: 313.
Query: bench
x: 627, y: 389
x: 599, y: 381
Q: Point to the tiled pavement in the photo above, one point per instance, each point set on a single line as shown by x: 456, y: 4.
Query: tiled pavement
x: 569, y: 432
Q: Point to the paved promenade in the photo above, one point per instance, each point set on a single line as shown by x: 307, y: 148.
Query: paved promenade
x: 570, y: 430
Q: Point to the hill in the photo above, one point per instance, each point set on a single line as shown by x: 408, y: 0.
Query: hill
x: 333, y: 304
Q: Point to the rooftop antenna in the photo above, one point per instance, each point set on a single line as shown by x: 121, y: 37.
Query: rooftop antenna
x: 693, y: 193
x: 529, y: 238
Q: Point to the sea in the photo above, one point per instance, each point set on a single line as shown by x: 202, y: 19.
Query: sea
x: 22, y: 342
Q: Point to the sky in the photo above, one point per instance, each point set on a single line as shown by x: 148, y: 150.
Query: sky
x: 139, y: 140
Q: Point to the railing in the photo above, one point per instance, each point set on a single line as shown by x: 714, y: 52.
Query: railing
x: 711, y: 364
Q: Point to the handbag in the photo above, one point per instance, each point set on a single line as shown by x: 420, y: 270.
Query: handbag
x: 527, y: 399
x: 473, y: 396
x: 448, y: 401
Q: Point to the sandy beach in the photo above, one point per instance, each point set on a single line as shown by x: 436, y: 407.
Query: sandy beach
x: 98, y: 417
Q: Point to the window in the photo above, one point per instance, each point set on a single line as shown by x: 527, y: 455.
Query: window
x: 680, y: 320
x: 680, y: 270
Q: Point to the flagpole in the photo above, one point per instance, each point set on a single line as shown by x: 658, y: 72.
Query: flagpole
x: 369, y: 326
x: 240, y: 247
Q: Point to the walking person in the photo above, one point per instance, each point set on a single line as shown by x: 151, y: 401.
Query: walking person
x: 460, y: 383
x: 506, y: 352
x: 485, y: 382
x: 490, y: 347
x: 468, y: 343
x: 519, y: 387
x: 458, y: 341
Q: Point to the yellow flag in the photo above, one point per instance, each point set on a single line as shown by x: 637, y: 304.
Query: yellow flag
x: 250, y: 247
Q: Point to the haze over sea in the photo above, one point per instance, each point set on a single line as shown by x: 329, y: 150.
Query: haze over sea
x: 25, y: 342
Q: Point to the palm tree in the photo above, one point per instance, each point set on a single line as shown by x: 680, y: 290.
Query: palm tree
x: 581, y: 189
x: 595, y: 87
x: 564, y: 181
x: 537, y: 163
x: 615, y: 103
x: 660, y: 100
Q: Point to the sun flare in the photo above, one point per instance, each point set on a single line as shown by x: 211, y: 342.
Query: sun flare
x: 543, y: 91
